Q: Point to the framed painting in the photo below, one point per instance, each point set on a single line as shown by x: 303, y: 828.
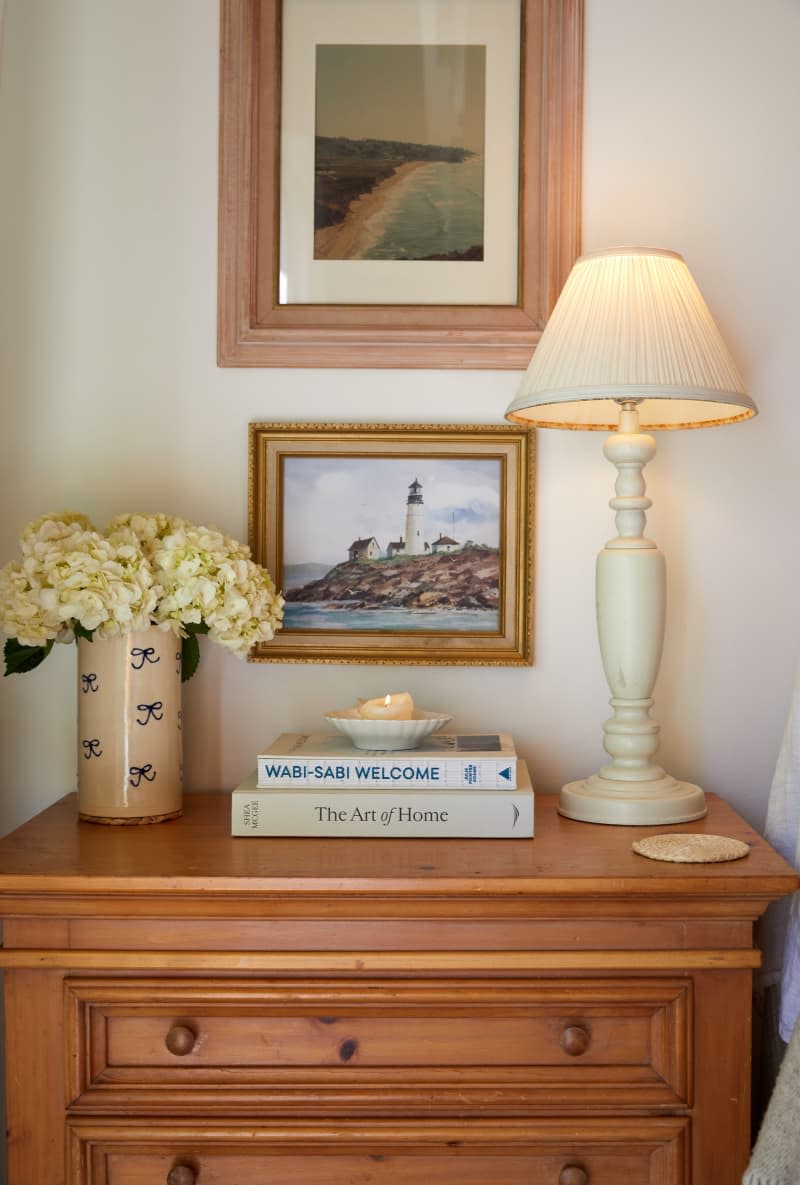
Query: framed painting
x: 396, y: 543
x: 399, y: 179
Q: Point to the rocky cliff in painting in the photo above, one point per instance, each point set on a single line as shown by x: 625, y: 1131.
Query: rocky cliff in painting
x: 468, y: 579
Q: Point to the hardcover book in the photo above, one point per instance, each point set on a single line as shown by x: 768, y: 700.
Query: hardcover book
x: 350, y: 811
x: 442, y: 761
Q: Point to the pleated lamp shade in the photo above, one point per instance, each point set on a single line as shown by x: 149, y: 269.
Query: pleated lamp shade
x: 631, y: 324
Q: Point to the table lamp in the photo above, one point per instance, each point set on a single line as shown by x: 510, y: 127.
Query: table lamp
x: 629, y: 346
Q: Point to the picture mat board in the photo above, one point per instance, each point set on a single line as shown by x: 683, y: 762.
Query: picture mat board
x: 307, y: 23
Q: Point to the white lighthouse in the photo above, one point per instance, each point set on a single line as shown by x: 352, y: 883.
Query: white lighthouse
x: 415, y: 520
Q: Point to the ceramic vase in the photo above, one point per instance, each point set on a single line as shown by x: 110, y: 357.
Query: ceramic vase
x: 129, y: 728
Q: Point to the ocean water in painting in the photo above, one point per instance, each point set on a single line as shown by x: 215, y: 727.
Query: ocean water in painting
x: 305, y: 616
x: 436, y: 210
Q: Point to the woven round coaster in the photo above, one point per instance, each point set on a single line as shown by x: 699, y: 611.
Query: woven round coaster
x: 691, y: 849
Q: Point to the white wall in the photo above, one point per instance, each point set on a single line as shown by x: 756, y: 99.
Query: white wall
x: 112, y: 401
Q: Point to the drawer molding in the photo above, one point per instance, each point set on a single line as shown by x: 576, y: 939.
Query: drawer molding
x: 378, y: 1045
x: 382, y: 962
x: 505, y: 1152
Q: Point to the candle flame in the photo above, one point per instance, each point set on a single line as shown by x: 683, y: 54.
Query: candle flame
x: 387, y: 701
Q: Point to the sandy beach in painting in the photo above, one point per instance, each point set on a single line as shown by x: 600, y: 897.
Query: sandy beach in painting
x: 349, y: 239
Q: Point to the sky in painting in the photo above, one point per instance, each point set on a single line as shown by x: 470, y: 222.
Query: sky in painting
x: 328, y: 502
x: 420, y: 94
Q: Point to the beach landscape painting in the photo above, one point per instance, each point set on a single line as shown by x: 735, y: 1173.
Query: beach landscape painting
x: 286, y: 297
x: 399, y: 152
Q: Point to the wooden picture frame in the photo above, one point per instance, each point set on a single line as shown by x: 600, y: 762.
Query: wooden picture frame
x: 413, y: 544
x: 256, y: 329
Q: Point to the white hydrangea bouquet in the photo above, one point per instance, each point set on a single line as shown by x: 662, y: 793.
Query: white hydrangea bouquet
x: 143, y: 570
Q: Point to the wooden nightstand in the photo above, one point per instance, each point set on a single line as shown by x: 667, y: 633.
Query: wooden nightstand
x: 184, y: 1008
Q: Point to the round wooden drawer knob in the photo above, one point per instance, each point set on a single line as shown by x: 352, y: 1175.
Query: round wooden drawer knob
x: 180, y: 1041
x: 574, y: 1042
x: 573, y: 1174
x: 181, y: 1174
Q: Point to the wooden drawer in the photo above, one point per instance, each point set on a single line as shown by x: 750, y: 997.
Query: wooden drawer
x: 556, y: 1152
x: 381, y: 1045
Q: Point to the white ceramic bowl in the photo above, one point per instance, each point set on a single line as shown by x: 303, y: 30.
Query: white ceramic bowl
x: 380, y: 735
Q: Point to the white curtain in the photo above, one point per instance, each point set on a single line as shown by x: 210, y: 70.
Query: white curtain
x: 780, y: 933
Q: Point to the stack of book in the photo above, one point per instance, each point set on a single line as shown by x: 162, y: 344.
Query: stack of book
x: 451, y: 785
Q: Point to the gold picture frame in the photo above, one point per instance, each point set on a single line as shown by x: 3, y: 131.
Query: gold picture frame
x: 344, y: 517
x: 256, y: 329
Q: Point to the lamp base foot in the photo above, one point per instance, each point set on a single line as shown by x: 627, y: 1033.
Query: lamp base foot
x: 632, y: 804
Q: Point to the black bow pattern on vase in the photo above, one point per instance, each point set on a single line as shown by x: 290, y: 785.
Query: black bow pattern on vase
x: 151, y: 711
x: 137, y: 772
x: 143, y: 654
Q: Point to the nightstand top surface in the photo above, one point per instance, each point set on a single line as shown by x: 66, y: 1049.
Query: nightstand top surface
x: 55, y: 853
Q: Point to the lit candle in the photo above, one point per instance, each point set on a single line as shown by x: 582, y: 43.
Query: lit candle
x: 399, y: 706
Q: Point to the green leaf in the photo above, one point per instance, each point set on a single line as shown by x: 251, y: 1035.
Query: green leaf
x: 21, y: 659
x: 190, y: 656
x: 80, y: 632
x: 190, y: 650
x: 199, y: 627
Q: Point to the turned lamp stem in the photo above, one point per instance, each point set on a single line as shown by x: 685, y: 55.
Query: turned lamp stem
x: 631, y: 626
x: 631, y: 614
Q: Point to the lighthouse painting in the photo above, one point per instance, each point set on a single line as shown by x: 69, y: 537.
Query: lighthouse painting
x: 396, y: 543
x: 392, y: 544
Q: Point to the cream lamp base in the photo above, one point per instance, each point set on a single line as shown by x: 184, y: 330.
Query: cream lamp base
x: 631, y: 789
x: 599, y: 800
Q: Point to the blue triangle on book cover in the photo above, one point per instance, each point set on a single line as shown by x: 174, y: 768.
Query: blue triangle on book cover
x: 504, y: 773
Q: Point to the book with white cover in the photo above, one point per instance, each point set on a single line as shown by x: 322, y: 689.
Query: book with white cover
x: 443, y: 760
x: 351, y: 811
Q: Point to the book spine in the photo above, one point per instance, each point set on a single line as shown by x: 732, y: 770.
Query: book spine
x: 495, y: 815
x: 390, y: 772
